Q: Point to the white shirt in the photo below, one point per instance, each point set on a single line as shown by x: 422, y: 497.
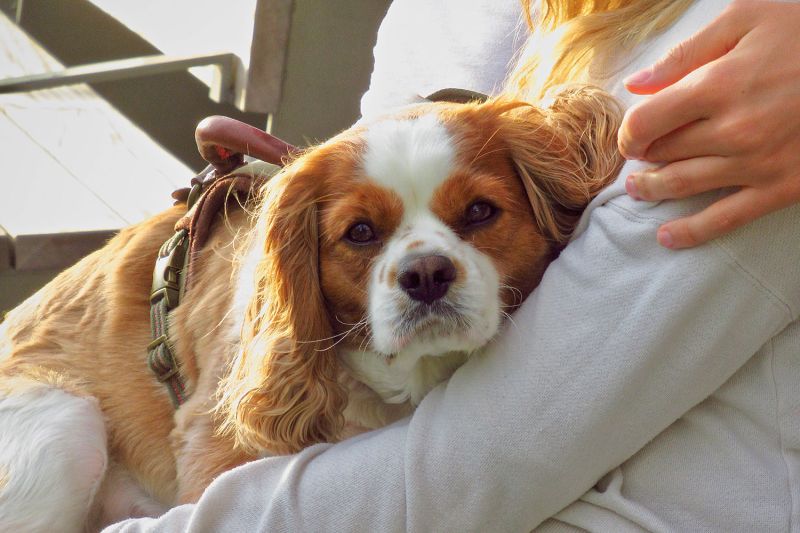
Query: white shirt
x: 427, y: 45
x: 641, y: 389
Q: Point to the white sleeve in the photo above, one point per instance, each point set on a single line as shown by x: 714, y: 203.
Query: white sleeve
x: 620, y: 339
x: 425, y: 46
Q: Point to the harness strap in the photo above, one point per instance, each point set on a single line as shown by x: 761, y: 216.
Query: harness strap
x: 198, y: 220
x: 227, y: 178
x: 164, y: 297
x: 175, y: 266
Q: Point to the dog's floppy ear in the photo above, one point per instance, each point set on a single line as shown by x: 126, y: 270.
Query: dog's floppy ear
x: 281, y: 393
x: 565, y: 154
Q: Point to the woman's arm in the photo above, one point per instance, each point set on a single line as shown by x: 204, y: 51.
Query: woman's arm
x: 621, y: 338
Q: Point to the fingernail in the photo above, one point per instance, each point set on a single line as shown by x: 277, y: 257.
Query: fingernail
x: 638, y: 78
x: 630, y: 187
x: 665, y: 238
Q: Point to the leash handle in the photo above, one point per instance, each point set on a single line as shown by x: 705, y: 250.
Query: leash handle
x: 222, y: 141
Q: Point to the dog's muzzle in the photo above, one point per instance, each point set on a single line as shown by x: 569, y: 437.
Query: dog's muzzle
x: 426, y: 278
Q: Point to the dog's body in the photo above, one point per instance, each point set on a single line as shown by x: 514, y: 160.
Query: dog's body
x: 377, y: 263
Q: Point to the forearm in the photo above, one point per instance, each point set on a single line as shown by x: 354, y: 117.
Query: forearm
x: 324, y: 488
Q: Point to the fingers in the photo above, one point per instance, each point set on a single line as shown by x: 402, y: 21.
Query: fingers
x: 717, y: 219
x: 710, y: 43
x: 681, y: 179
x: 686, y: 81
x: 661, y: 114
x: 720, y: 116
x: 700, y: 138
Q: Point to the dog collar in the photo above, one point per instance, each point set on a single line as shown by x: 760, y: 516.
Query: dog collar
x: 456, y: 96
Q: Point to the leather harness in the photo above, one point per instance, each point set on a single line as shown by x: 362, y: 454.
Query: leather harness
x: 222, y: 141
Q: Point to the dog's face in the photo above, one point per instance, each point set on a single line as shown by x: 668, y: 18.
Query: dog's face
x: 409, y: 236
x: 426, y: 239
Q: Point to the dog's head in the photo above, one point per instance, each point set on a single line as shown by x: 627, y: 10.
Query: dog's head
x: 408, y: 236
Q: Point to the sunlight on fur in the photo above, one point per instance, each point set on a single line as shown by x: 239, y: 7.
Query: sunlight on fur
x: 283, y: 390
x: 359, y: 278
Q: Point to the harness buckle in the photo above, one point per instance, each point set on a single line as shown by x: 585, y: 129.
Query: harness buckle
x: 169, y: 264
x: 156, y: 342
x: 161, y: 360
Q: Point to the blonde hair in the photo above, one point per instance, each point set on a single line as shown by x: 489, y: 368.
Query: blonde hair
x: 570, y: 36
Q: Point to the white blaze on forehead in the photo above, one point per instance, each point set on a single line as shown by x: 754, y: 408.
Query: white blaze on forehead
x: 413, y: 157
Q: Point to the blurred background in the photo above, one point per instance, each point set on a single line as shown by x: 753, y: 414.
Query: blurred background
x: 99, y: 100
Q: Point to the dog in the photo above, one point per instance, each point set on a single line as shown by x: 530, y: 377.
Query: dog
x: 359, y: 278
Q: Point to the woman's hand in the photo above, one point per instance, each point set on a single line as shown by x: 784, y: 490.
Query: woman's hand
x: 726, y: 114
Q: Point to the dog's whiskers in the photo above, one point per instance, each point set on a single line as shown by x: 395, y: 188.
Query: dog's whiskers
x: 515, y: 291
x: 341, y: 336
x: 508, y: 317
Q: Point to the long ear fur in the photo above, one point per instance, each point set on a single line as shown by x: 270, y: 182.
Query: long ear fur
x: 281, y: 394
x: 565, y: 154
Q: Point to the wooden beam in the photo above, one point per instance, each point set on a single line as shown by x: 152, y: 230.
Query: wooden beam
x: 222, y: 90
x: 5, y: 250
x: 74, y: 169
x: 273, y: 21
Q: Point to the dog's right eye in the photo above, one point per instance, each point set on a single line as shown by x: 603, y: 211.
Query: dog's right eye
x: 361, y: 233
x: 479, y: 212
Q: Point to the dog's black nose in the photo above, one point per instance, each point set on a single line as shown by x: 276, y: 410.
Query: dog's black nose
x: 426, y: 278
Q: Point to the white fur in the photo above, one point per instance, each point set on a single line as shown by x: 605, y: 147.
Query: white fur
x: 413, y: 158
x: 477, y: 293
x: 52, y: 459
x: 400, y: 367
x: 121, y: 497
x: 402, y: 378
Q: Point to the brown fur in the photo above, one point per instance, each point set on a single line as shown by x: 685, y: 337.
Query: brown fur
x: 281, y: 388
x: 560, y: 157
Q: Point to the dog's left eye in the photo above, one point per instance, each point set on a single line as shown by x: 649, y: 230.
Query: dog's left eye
x: 361, y: 233
x: 478, y: 212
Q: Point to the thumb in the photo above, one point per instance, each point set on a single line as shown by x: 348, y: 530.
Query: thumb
x: 710, y: 43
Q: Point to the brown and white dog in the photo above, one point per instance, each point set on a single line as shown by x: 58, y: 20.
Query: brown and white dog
x: 372, y: 267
